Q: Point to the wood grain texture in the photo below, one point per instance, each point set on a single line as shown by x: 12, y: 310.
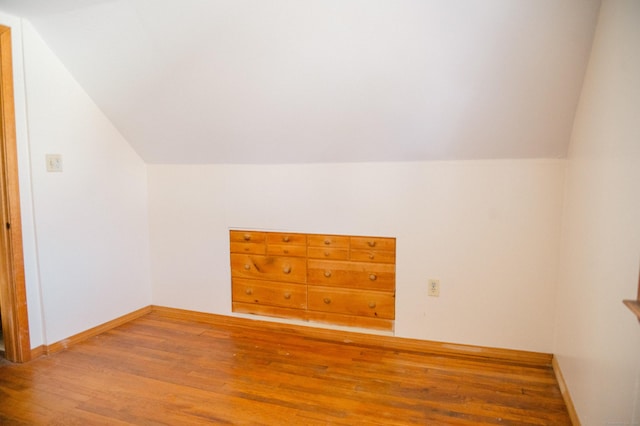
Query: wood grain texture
x: 534, y: 359
x: 360, y: 303
x: 359, y: 270
x: 369, y: 276
x: 77, y: 338
x: 13, y: 296
x: 167, y: 368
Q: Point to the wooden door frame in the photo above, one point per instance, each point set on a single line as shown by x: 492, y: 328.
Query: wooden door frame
x: 13, y: 296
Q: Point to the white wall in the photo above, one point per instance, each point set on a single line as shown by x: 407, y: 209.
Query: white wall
x: 34, y: 303
x: 489, y: 230
x: 597, y: 338
x: 91, y: 219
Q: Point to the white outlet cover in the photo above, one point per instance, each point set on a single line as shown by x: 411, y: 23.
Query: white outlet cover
x: 54, y: 162
x: 433, y: 288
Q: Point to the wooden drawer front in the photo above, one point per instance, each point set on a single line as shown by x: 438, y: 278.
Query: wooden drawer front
x: 277, y: 311
x: 360, y: 303
x: 373, y: 276
x: 254, y: 248
x: 338, y: 279
x: 281, y: 238
x: 333, y: 241
x: 247, y: 237
x: 286, y: 250
x: 328, y: 253
x: 269, y: 293
x: 373, y: 243
x: 376, y: 256
x: 270, y: 268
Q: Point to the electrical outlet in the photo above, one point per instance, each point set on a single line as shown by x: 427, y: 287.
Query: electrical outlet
x: 434, y: 287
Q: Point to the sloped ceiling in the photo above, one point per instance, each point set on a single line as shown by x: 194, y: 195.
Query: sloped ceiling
x: 286, y: 81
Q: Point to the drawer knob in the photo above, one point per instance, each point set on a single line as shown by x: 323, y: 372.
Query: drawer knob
x: 285, y: 239
x: 326, y: 300
x: 249, y: 291
x: 372, y: 243
x: 327, y: 274
x: 247, y: 266
x: 372, y: 305
x: 286, y: 269
x: 326, y: 253
x: 287, y: 296
x: 371, y: 256
x: 247, y: 237
x: 373, y: 277
x: 327, y: 241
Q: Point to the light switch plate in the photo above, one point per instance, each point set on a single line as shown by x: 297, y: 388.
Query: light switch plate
x: 54, y: 162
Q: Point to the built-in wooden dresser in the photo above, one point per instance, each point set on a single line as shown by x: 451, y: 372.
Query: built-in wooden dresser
x: 338, y: 279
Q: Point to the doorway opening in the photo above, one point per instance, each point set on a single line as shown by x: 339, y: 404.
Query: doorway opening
x: 13, y: 297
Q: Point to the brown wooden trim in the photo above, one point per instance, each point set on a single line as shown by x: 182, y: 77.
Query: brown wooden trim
x: 14, y: 296
x: 449, y: 349
x: 634, y: 305
x: 349, y: 337
x: 564, y: 390
x: 77, y: 338
x: 38, y: 351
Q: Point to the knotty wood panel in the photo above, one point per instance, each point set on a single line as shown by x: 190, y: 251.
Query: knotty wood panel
x: 273, y: 268
x: 164, y: 369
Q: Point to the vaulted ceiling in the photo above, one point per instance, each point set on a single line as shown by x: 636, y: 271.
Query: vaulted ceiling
x: 286, y: 81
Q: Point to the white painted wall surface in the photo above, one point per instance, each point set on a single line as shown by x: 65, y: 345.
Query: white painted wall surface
x: 324, y: 81
x: 91, y: 219
x: 489, y: 230
x: 597, y: 338
x: 34, y: 304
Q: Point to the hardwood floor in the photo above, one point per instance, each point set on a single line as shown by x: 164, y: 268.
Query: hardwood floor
x: 160, y: 369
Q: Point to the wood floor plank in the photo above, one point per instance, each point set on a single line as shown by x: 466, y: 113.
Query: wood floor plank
x: 162, y: 369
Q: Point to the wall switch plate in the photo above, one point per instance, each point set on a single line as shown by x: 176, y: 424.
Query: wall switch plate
x: 54, y: 162
x: 434, y: 287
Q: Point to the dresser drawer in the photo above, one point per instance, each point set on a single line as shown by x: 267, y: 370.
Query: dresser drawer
x: 376, y: 256
x: 286, y: 250
x: 333, y: 241
x: 373, y: 243
x: 269, y: 268
x: 372, y: 276
x: 328, y: 253
x: 351, y: 302
x: 337, y: 279
x: 281, y: 238
x: 269, y: 293
x: 253, y: 248
x: 247, y: 237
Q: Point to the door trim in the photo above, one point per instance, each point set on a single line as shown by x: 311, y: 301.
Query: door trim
x: 13, y: 296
